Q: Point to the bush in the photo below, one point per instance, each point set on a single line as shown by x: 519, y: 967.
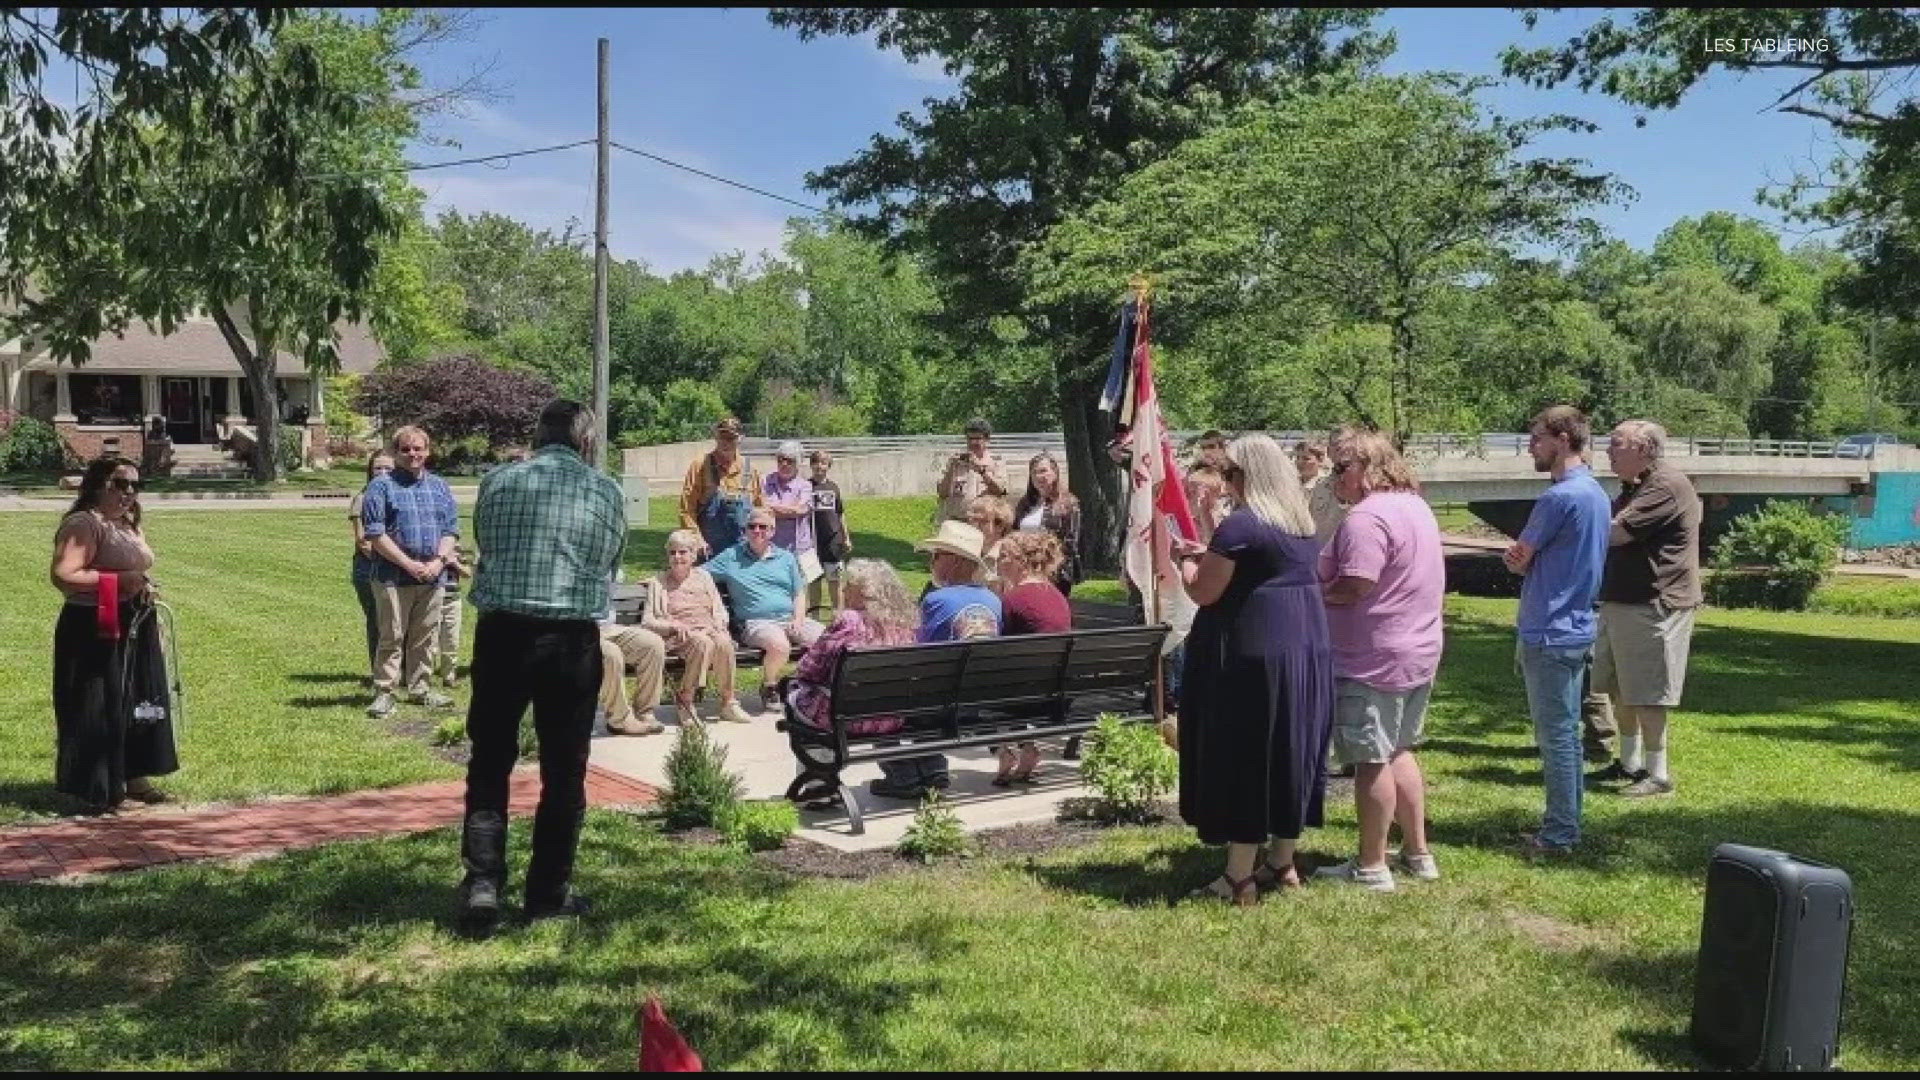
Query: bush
x: 1129, y: 767
x: 456, y: 397
x: 936, y: 833
x: 699, y: 787
x: 451, y: 732
x: 290, y: 456
x: 462, y: 457
x: 1775, y: 557
x: 760, y: 826
x: 30, y: 444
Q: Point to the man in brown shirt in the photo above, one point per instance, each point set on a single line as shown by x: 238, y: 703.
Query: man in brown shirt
x: 1648, y: 596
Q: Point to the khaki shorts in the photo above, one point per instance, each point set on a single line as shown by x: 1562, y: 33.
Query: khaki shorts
x: 1370, y: 726
x: 1640, y: 653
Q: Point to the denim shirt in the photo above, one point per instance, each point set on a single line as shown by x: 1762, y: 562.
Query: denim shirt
x: 1568, y: 532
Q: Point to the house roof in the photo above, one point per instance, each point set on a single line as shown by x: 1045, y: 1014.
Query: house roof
x: 197, y: 346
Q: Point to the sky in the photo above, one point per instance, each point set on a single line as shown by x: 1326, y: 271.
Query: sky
x: 724, y: 91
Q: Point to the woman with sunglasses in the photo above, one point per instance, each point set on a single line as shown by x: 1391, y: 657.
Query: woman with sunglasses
x: 110, y: 700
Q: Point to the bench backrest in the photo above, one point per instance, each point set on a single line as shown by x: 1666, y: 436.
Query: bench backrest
x: 928, y: 684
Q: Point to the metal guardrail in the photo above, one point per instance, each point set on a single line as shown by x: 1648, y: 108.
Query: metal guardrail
x: 1485, y: 444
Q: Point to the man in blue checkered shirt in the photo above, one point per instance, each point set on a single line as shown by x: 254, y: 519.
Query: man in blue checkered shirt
x: 410, y: 518
x: 550, y: 531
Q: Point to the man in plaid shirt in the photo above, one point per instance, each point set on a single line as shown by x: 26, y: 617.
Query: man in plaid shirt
x: 410, y: 519
x: 550, y: 530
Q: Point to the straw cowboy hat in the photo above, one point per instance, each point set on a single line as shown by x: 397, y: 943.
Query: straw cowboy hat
x: 957, y: 538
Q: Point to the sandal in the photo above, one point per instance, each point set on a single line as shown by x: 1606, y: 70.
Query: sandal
x: 1244, y: 892
x: 1269, y: 876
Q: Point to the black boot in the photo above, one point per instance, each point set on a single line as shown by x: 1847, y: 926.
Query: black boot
x: 483, y: 851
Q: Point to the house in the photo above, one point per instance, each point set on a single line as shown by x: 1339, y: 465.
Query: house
x: 188, y: 380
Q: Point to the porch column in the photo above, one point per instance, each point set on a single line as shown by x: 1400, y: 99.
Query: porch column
x: 149, y: 396
x: 63, y: 401
x: 315, y: 387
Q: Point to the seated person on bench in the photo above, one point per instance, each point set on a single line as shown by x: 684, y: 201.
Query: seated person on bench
x: 875, y: 612
x: 684, y: 607
x: 1030, y: 604
x: 769, y: 596
x: 647, y: 652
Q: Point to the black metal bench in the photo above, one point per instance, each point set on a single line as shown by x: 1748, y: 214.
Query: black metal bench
x: 976, y: 692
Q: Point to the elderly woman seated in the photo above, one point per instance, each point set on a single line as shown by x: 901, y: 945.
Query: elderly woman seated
x: 685, y: 609
x: 768, y: 595
x: 875, y: 612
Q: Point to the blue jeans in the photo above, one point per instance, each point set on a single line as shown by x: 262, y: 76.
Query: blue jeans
x: 1553, y: 675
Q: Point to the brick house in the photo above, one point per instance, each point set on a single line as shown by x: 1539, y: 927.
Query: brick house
x: 187, y: 380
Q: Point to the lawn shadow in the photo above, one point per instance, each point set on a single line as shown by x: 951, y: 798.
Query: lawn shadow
x: 328, y: 677
x: 1665, y: 980
x: 335, y: 701
x: 288, y: 964
x: 1463, y: 748
x: 37, y: 797
x: 1893, y: 742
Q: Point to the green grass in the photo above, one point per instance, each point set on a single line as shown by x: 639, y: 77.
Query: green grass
x: 1797, y: 734
x: 1853, y: 595
x: 47, y: 485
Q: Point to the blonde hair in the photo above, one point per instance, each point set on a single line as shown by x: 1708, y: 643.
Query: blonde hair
x: 995, y: 509
x: 406, y: 430
x: 1270, y: 484
x: 888, y: 611
x: 683, y: 538
x: 1038, y: 550
x: 1382, y: 468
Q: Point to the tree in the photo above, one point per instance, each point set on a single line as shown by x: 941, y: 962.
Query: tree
x: 456, y: 397
x: 278, y: 236
x: 1055, y: 106
x: 1363, y: 205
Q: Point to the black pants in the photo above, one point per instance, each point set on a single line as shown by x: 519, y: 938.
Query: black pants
x: 104, y: 695
x: 553, y: 664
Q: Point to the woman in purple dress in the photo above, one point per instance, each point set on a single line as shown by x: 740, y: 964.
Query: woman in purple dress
x: 1257, y: 706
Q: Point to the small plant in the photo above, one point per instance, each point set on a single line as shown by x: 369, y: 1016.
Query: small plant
x: 30, y: 444
x: 1775, y: 557
x: 1130, y: 768
x: 451, y: 732
x: 760, y: 826
x: 936, y: 833
x: 529, y: 737
x: 699, y: 787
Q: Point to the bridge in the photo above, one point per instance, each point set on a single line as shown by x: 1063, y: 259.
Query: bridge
x: 1492, y: 474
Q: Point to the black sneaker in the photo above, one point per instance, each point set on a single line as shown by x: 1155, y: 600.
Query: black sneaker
x: 573, y: 907
x: 1614, y: 773
x: 480, y: 910
x: 887, y: 789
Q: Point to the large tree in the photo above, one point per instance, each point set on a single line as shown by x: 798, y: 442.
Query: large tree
x: 274, y: 228
x: 1055, y: 106
x: 1363, y: 205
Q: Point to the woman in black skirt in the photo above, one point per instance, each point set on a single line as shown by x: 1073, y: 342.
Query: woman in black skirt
x: 1256, y: 706
x: 110, y: 698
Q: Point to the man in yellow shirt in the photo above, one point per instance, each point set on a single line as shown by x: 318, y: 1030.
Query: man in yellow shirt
x: 720, y: 490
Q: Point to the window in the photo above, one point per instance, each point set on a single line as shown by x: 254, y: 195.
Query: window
x: 106, y: 399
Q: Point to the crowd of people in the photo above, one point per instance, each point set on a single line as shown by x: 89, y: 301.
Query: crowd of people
x: 1318, y: 577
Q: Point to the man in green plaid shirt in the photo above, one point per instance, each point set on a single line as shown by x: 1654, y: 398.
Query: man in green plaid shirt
x: 551, y: 531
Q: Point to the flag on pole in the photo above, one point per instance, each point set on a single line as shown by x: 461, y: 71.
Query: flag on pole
x: 1115, y: 390
x: 1157, y: 507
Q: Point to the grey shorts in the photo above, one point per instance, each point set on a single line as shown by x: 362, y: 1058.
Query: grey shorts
x: 1370, y: 726
x: 800, y: 633
x: 1640, y: 653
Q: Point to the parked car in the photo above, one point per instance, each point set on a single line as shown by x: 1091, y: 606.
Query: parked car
x: 1863, y: 446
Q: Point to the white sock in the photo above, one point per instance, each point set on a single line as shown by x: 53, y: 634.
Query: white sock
x: 1657, y: 763
x: 1630, y: 752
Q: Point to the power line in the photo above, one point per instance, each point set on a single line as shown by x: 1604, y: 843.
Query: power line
x: 410, y: 167
x: 721, y: 179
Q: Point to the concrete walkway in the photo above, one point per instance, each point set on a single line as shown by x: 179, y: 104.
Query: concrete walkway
x: 761, y: 756
x: 143, y: 837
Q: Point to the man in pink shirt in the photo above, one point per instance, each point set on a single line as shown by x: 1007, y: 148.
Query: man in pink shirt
x: 1385, y: 579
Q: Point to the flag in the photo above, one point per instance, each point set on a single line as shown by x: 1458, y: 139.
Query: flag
x: 1157, y: 507
x: 1115, y: 390
x: 661, y: 1047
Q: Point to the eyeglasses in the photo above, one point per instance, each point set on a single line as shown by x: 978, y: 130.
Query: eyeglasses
x: 759, y: 527
x: 131, y: 487
x: 785, y: 461
x: 1341, y: 466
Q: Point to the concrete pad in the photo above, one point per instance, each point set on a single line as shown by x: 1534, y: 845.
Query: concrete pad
x: 761, y: 756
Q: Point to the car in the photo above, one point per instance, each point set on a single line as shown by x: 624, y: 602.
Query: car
x: 1863, y: 446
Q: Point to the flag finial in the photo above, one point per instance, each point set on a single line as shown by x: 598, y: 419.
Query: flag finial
x: 1141, y: 284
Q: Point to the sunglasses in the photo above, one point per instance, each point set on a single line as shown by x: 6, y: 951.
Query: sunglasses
x: 131, y: 487
x: 1341, y: 466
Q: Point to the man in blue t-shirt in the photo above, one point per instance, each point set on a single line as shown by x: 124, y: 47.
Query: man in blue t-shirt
x: 1561, y: 552
x: 955, y: 608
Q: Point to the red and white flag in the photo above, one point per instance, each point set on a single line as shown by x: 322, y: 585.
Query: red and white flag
x: 1157, y: 507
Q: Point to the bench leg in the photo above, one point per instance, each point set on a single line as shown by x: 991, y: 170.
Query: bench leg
x: 854, y: 817
x: 1071, y: 752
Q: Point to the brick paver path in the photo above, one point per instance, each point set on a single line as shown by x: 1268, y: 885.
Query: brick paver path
x: 142, y: 838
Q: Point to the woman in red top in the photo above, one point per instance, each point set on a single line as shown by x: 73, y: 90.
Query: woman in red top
x: 1029, y: 604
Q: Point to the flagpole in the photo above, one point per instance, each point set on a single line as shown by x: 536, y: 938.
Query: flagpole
x: 1141, y: 291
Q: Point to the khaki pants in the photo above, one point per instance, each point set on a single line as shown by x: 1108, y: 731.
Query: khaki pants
x: 709, y: 651
x: 647, y: 652
x: 447, y: 653
x: 409, y: 618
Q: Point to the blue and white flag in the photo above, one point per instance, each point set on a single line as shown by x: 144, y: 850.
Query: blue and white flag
x: 1115, y: 393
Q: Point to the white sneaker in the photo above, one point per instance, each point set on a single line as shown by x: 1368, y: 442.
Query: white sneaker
x: 1379, y: 879
x: 381, y: 707
x: 1420, y: 866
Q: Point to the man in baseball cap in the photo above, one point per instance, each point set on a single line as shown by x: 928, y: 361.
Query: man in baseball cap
x: 720, y: 490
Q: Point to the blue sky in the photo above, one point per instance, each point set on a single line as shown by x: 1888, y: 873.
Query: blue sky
x: 722, y: 90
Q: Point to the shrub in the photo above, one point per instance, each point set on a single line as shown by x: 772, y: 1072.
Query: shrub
x: 455, y: 397
x: 1775, y: 557
x: 290, y: 456
x: 30, y: 445
x: 699, y: 787
x: 760, y: 826
x: 462, y: 457
x: 1129, y: 767
x: 451, y: 732
x: 529, y: 740
x: 936, y: 833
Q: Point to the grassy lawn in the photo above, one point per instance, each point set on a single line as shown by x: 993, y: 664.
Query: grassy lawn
x: 349, y: 479
x: 1797, y: 734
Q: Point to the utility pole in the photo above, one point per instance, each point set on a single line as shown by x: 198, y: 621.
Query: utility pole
x: 600, y: 359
